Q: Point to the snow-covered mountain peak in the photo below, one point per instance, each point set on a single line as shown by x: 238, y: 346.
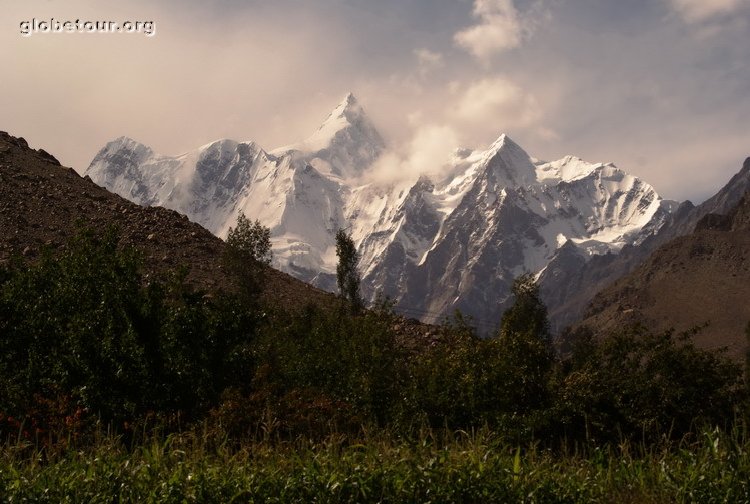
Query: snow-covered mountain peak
x: 348, y: 121
x: 221, y: 144
x: 117, y: 157
x: 347, y: 115
x: 124, y: 141
x: 500, y: 142
x: 344, y: 146
x: 227, y: 150
x: 455, y: 239
x: 125, y: 144
x: 348, y: 109
x: 507, y: 161
x: 569, y: 169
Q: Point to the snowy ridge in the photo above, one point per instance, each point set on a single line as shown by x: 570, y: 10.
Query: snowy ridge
x: 432, y: 245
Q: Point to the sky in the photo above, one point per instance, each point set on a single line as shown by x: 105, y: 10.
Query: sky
x: 659, y: 87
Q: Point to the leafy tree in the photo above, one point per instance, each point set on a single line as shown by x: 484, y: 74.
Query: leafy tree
x: 251, y: 240
x: 451, y: 378
x: 528, y: 315
x: 526, y: 346
x: 347, y: 277
x: 321, y: 368
x: 246, y: 256
x: 503, y: 381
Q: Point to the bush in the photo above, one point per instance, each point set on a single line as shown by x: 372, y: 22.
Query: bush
x: 449, y: 378
x: 466, y: 381
x: 88, y: 325
x: 324, y: 358
x: 638, y: 385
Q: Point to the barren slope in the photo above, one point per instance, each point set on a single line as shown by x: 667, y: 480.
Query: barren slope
x: 701, y: 278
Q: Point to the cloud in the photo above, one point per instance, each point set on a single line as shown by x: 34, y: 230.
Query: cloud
x: 695, y: 11
x: 500, y: 27
x: 427, y: 153
x: 493, y: 105
x: 206, y: 74
x: 431, y: 147
x: 428, y: 61
x: 470, y: 114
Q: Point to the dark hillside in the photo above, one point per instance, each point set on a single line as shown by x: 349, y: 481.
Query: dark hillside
x: 43, y: 203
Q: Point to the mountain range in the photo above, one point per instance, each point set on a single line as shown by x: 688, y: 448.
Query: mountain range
x: 570, y: 294
x: 698, y: 279
x: 431, y: 244
x: 693, y: 272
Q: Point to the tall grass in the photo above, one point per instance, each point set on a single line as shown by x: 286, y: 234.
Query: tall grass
x: 436, y: 466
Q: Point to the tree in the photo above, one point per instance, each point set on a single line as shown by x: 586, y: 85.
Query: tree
x: 246, y: 256
x: 251, y: 239
x: 347, y: 277
x: 86, y: 326
x: 526, y: 346
x: 528, y: 315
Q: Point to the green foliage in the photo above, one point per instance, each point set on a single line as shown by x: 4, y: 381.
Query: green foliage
x: 86, y: 335
x: 528, y: 315
x: 250, y: 240
x: 432, y: 467
x: 636, y: 384
x: 629, y: 385
x: 502, y: 381
x: 88, y: 325
x: 449, y: 376
x: 247, y: 256
x: 525, y: 354
x: 350, y: 367
x: 347, y: 277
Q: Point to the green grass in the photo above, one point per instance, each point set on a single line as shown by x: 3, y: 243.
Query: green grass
x: 435, y: 467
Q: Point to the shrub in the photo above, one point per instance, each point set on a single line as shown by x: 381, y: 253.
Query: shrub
x: 88, y: 325
x: 325, y: 358
x: 635, y: 384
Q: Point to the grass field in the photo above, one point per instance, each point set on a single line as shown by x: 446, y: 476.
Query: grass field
x: 433, y: 467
